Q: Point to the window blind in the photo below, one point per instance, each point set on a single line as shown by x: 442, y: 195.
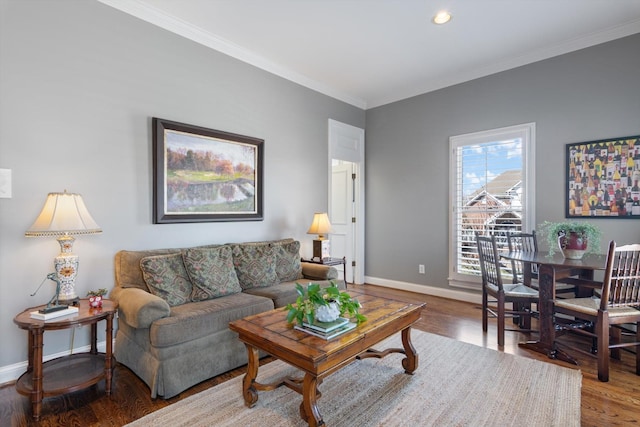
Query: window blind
x: 489, y: 194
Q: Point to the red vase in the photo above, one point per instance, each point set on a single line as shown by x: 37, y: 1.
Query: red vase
x: 573, y: 245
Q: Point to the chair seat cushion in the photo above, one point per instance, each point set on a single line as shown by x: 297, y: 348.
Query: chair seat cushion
x: 590, y: 306
x: 559, y: 286
x: 516, y: 290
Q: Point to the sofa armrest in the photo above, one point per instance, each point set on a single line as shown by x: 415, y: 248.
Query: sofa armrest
x: 318, y: 271
x: 139, y: 308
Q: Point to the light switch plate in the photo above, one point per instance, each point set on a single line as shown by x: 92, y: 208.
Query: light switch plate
x: 5, y: 183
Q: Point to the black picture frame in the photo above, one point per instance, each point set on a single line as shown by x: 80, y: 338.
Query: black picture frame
x: 603, y: 178
x: 205, y: 175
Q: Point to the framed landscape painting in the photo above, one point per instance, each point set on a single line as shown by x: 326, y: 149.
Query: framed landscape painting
x: 203, y: 175
x: 603, y: 178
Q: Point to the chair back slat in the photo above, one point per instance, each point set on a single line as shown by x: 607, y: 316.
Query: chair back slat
x: 489, y: 261
x: 524, y: 242
x: 621, y: 287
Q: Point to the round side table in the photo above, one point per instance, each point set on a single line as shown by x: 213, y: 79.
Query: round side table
x: 69, y: 373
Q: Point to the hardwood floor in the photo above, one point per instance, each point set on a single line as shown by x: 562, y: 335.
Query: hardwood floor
x: 616, y: 403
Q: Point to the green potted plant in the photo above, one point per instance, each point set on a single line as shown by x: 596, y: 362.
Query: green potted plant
x: 324, y: 304
x: 573, y: 238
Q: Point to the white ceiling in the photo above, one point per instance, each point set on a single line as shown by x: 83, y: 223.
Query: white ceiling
x: 373, y: 52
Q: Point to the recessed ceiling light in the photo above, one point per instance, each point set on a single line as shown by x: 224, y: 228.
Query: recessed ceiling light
x: 442, y: 17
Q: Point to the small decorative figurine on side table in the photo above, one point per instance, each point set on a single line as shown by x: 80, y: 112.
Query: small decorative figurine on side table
x: 95, y: 297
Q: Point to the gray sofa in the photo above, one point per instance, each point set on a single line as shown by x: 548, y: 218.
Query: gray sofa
x: 175, y: 306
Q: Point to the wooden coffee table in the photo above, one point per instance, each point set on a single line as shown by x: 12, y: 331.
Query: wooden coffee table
x: 317, y: 357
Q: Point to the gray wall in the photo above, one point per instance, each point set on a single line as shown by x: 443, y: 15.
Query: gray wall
x: 586, y: 95
x: 79, y: 83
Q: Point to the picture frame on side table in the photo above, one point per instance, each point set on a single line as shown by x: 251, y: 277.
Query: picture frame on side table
x: 205, y: 175
x: 603, y: 178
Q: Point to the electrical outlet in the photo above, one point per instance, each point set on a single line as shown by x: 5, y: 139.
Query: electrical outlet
x: 421, y: 268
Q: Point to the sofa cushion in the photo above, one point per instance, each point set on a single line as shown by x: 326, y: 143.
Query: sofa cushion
x: 255, y: 265
x: 199, y: 319
x: 288, y: 265
x: 167, y: 278
x: 285, y: 293
x: 211, y: 272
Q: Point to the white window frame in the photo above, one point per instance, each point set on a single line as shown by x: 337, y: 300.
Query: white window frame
x: 524, y: 131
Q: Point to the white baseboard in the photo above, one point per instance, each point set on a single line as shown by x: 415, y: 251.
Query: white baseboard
x: 11, y: 373
x: 475, y: 298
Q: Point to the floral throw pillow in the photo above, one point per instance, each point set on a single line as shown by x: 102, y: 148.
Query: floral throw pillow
x: 288, y: 266
x: 211, y: 272
x: 167, y: 278
x: 255, y: 265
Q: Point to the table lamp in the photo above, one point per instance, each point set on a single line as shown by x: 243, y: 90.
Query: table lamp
x: 320, y: 226
x: 63, y: 215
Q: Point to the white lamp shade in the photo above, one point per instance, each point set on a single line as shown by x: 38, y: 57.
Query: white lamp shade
x: 320, y: 224
x: 63, y: 213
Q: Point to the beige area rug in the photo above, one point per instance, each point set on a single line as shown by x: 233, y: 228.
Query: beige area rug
x: 456, y: 384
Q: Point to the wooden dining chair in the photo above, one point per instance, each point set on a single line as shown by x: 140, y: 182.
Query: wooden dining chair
x: 520, y: 296
x: 619, y: 304
x: 528, y: 242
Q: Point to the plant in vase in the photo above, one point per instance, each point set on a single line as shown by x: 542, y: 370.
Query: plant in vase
x: 322, y: 304
x: 573, y: 238
x: 95, y: 297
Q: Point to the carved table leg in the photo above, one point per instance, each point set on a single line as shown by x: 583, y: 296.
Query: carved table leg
x: 309, y: 407
x: 108, y: 357
x: 409, y: 363
x: 248, y: 390
x: 37, y: 392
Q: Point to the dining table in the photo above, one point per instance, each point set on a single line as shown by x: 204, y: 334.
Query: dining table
x: 553, y: 267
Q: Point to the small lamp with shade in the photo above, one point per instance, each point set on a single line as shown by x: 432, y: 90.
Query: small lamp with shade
x: 320, y: 226
x: 64, y: 215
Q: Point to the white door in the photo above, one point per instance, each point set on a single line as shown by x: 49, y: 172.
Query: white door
x: 346, y: 206
x: 341, y: 214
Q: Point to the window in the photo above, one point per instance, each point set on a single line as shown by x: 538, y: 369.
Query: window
x: 492, y: 193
